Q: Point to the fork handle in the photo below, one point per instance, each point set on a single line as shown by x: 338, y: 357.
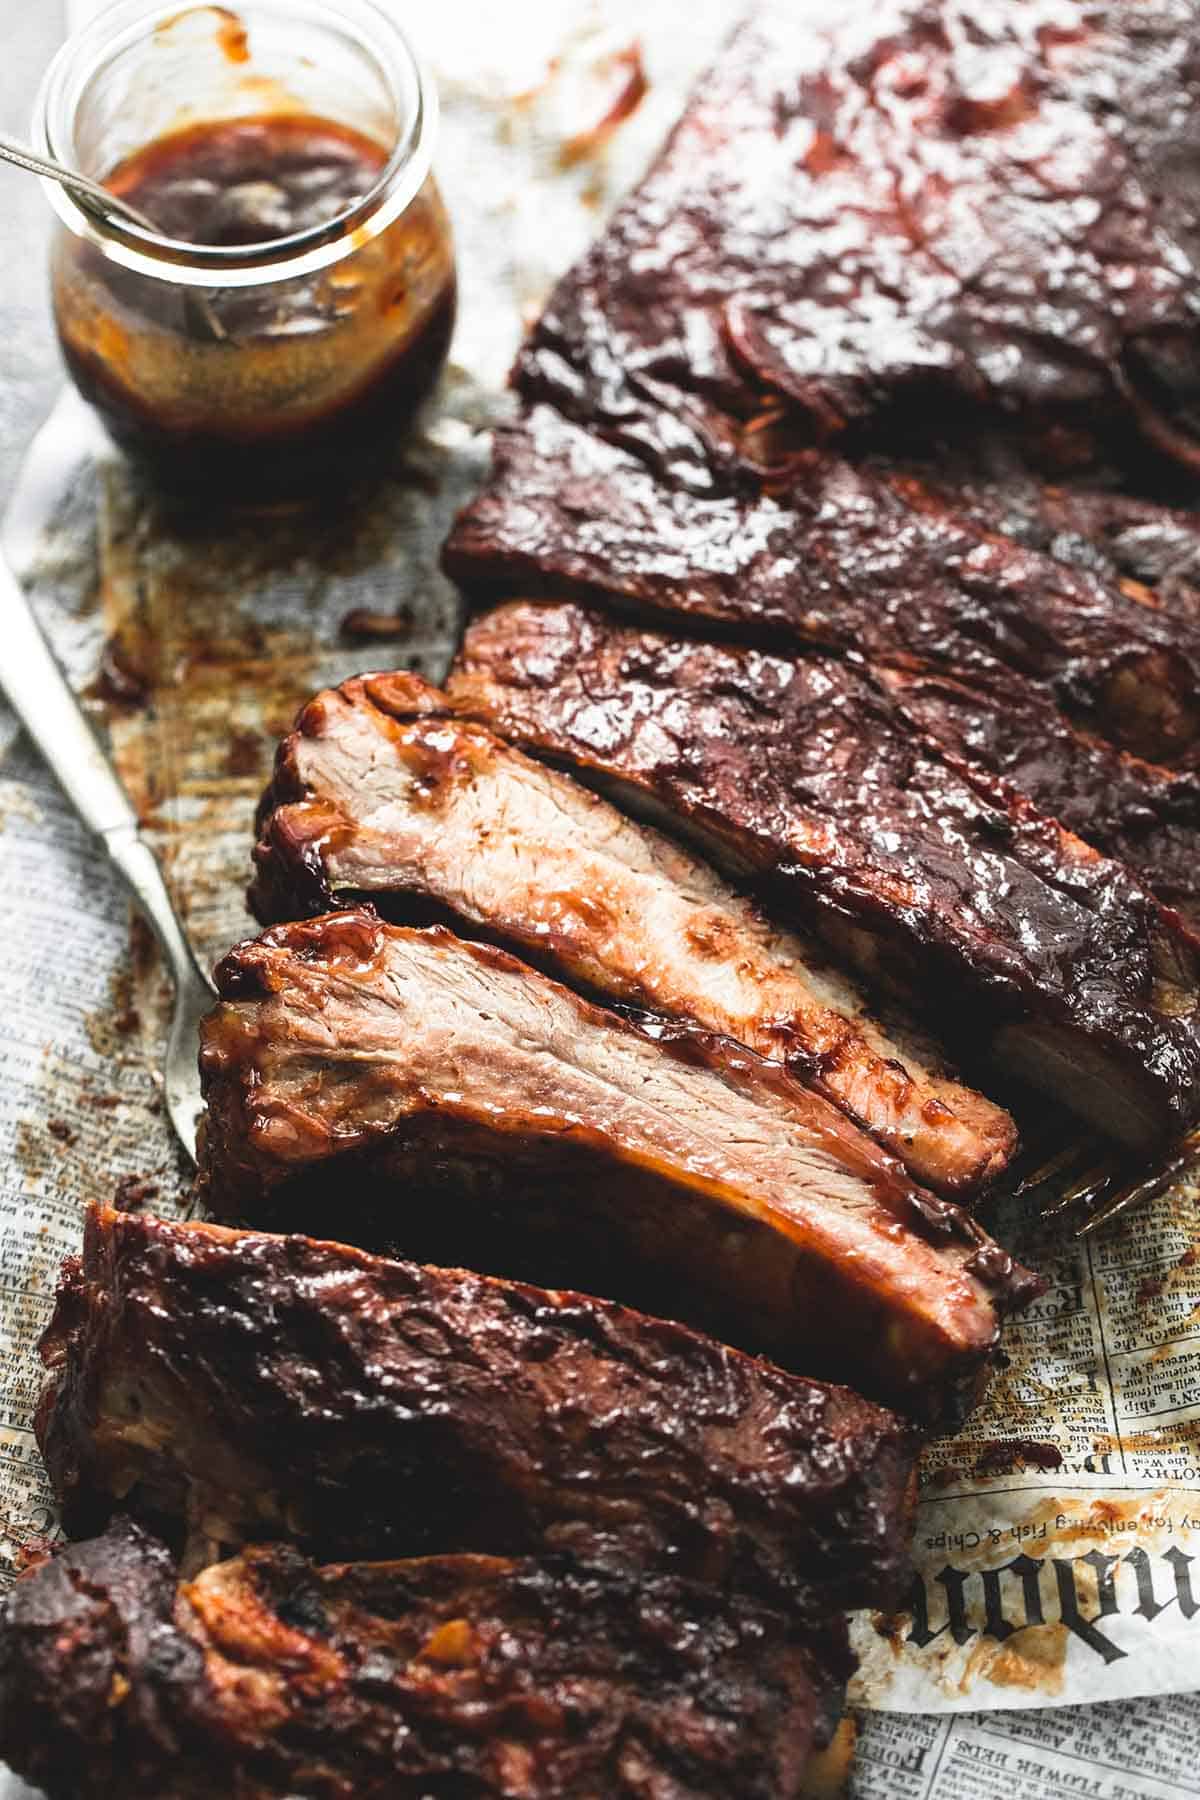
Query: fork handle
x: 40, y: 696
x: 130, y: 853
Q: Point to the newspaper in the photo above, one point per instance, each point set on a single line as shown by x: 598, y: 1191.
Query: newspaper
x: 1058, y: 1536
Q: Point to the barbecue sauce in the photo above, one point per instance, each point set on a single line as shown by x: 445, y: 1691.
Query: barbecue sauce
x: 286, y: 385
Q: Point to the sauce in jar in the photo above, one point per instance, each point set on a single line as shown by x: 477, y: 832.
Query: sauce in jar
x: 245, y: 181
x: 279, y: 386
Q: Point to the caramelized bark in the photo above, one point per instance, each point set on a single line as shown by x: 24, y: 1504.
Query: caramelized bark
x: 878, y: 567
x: 268, y: 1676
x: 1135, y: 812
x: 250, y: 1385
x: 1085, y: 518
x: 930, y: 875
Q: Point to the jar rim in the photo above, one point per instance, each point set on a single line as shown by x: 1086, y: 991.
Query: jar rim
x: 120, y: 26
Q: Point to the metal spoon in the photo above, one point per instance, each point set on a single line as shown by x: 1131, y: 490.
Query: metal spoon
x: 90, y: 195
x: 100, y: 204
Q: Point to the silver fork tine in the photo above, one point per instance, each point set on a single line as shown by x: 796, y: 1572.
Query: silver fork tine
x: 1095, y: 1184
x: 1100, y: 1188
x: 1049, y: 1166
x: 1086, y: 1187
x: 1135, y: 1193
x: 1132, y: 1195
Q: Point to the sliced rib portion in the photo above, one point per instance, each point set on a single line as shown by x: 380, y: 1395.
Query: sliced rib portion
x: 878, y: 566
x: 266, y: 1676
x: 925, y: 872
x: 380, y: 792
x: 372, y: 1074
x: 885, y: 216
x: 1050, y: 675
x: 250, y: 1386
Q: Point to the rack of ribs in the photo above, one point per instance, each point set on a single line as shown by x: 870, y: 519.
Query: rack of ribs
x: 380, y: 793
x: 238, y: 1385
x: 879, y: 218
x: 441, y: 1099
x: 267, y: 1676
x: 1051, y: 675
x: 930, y: 875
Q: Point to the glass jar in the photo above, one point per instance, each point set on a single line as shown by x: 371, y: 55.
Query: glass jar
x: 295, y: 302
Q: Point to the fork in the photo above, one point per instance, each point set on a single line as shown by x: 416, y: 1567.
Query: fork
x: 39, y: 694
x: 1091, y: 1189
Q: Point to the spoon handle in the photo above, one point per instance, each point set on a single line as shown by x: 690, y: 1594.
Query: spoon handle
x: 89, y: 193
x: 97, y: 200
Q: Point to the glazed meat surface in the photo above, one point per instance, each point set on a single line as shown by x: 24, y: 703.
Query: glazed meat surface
x: 843, y: 559
x: 442, y: 1099
x: 248, y: 1385
x: 1150, y: 546
x: 928, y: 874
x: 1048, y: 674
x: 879, y: 215
x: 1135, y: 812
x: 381, y: 793
x: 269, y: 1676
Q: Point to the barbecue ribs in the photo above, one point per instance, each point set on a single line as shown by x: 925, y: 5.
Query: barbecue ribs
x: 927, y: 873
x: 267, y: 1676
x: 442, y: 1099
x: 380, y: 793
x: 1045, y: 673
x: 250, y: 1386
